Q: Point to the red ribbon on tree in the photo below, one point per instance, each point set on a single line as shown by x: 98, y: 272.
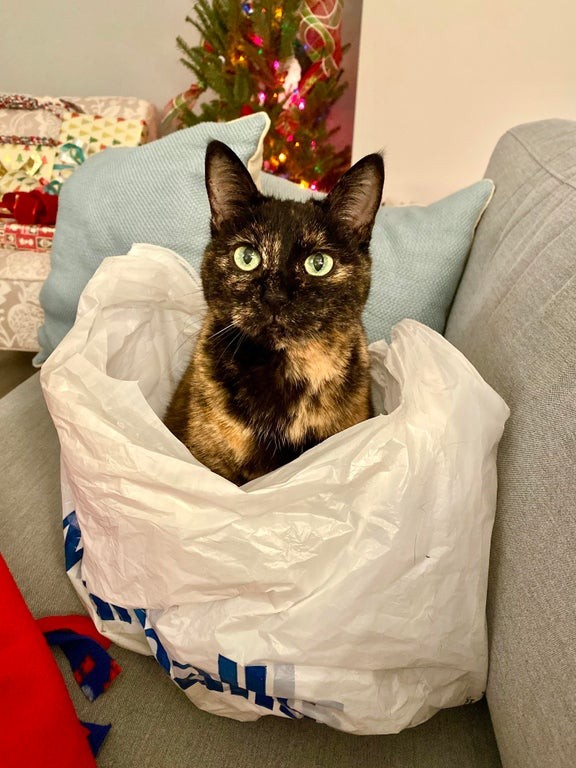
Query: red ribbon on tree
x: 33, y: 207
x: 321, y: 33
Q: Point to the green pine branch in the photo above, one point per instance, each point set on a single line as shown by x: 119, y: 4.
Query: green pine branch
x: 234, y: 62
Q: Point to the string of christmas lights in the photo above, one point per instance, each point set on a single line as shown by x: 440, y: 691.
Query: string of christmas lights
x: 281, y: 57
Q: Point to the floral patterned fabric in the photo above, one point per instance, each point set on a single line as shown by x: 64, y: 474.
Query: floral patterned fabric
x: 21, y: 276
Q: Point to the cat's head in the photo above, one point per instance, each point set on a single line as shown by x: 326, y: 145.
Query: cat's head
x: 284, y: 271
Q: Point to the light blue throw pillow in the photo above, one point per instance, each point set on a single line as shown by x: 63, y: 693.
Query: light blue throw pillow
x: 150, y: 194
x: 418, y: 255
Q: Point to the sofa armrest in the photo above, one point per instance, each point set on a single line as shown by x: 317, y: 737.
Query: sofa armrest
x: 514, y: 317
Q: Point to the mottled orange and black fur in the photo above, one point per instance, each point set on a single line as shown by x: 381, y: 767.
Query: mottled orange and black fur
x: 281, y: 361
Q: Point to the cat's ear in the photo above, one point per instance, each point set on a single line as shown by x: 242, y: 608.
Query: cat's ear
x: 355, y: 199
x: 229, y: 185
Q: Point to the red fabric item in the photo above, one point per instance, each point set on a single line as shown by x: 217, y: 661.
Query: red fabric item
x: 38, y: 724
x: 82, y: 625
x: 33, y: 207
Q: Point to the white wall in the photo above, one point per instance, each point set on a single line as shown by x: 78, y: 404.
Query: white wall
x: 342, y: 114
x: 94, y: 47
x: 439, y: 82
x: 119, y: 47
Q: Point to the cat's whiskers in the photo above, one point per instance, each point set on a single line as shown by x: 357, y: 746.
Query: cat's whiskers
x: 184, y: 334
x: 172, y: 369
x: 196, y: 290
x: 240, y: 340
x: 237, y: 333
x: 222, y: 330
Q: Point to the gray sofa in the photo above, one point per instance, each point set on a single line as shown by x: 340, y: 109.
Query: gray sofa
x: 515, y: 318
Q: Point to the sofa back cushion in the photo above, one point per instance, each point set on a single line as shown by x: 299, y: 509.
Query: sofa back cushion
x: 514, y: 317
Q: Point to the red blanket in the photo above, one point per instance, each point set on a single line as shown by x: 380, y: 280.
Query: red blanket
x: 38, y: 724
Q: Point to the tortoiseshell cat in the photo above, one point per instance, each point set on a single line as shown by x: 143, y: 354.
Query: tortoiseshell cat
x: 281, y: 361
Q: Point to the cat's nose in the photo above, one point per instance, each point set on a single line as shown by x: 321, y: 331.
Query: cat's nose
x: 274, y: 295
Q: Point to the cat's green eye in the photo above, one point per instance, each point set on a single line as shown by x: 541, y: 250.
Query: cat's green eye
x: 319, y: 264
x: 246, y: 258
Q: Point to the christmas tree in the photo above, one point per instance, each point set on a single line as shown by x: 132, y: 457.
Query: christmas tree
x: 279, y: 56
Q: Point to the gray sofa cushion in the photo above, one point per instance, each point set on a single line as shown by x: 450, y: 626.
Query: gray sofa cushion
x: 153, y: 723
x: 514, y: 317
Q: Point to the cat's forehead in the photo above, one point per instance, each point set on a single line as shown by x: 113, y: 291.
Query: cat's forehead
x: 283, y: 226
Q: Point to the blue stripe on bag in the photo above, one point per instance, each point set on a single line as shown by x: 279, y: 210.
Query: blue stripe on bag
x: 155, y: 644
x: 255, y: 676
x: 72, y: 550
x: 123, y: 614
x: 285, y: 708
x: 256, y: 681
x: 109, y: 611
x: 103, y: 609
x: 141, y: 616
x: 228, y: 671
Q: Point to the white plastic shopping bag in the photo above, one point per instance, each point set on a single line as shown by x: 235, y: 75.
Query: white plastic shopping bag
x: 348, y: 586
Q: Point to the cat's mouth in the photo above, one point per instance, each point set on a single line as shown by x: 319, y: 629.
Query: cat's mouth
x: 276, y: 322
x: 267, y: 319
x: 275, y: 326
x: 270, y: 328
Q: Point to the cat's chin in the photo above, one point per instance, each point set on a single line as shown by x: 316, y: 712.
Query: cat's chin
x: 274, y: 334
